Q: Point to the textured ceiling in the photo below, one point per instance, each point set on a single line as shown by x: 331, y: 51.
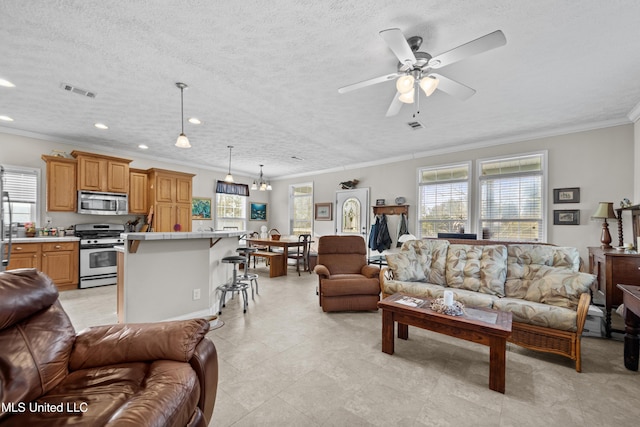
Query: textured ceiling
x: 263, y: 76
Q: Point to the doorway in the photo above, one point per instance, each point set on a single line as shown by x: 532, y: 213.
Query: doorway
x: 352, y: 212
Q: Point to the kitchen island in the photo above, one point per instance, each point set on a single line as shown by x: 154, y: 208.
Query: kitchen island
x: 165, y: 276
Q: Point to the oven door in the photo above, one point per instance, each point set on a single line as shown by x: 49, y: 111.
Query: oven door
x: 97, y: 266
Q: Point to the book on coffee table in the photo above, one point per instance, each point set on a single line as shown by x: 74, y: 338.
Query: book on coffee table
x: 411, y: 301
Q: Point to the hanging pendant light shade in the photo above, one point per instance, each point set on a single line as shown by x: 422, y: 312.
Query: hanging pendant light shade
x: 182, y: 141
x: 429, y: 84
x: 229, y: 178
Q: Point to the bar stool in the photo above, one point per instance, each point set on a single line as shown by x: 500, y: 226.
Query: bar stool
x: 235, y: 285
x: 252, y: 278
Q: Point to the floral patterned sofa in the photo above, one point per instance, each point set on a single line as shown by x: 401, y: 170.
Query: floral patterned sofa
x: 540, y: 284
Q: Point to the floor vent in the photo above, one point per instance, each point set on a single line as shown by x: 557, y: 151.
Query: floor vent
x: 77, y: 90
x: 415, y: 125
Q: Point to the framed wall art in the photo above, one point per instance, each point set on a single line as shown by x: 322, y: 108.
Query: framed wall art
x: 566, y: 217
x: 324, y: 212
x: 566, y: 195
x: 200, y: 208
x: 258, y: 211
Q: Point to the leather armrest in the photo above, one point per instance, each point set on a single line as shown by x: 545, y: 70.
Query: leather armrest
x: 137, y: 342
x: 205, y: 363
x: 370, y: 271
x: 321, y: 270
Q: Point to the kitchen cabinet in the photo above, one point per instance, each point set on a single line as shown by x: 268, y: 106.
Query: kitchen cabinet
x: 170, y: 196
x: 58, y: 260
x: 61, y: 184
x: 97, y: 172
x: 138, y: 192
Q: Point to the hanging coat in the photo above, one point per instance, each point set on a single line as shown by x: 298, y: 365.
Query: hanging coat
x: 383, y: 240
x: 373, y: 237
x: 402, y: 229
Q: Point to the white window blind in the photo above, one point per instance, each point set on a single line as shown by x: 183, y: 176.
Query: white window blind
x: 443, y: 194
x: 301, y: 209
x: 231, y: 212
x: 511, y: 202
x: 22, y: 185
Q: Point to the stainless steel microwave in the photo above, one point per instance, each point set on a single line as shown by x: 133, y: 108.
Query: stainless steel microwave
x: 96, y: 203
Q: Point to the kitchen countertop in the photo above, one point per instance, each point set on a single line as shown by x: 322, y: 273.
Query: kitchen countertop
x: 180, y: 235
x: 45, y: 239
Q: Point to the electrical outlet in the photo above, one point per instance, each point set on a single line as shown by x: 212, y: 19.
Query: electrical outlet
x: 47, y: 220
x: 196, y: 294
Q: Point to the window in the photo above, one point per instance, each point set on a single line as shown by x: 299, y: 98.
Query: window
x: 231, y: 212
x: 443, y: 199
x: 511, y: 197
x: 22, y: 186
x: 351, y: 216
x: 301, y: 209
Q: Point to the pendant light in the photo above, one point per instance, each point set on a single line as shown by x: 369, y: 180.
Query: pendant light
x: 229, y: 178
x: 182, y: 141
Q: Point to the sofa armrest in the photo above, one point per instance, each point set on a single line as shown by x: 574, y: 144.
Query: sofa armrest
x: 582, y: 311
x: 205, y: 363
x: 321, y: 270
x: 370, y: 271
x: 137, y: 342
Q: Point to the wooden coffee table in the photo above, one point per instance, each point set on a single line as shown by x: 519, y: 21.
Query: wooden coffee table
x: 479, y: 325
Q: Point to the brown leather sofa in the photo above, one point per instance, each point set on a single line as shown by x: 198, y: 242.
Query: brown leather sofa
x: 346, y: 282
x: 154, y: 374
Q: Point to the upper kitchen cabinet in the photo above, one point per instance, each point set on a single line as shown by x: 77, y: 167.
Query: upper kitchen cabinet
x: 102, y: 173
x: 170, y: 196
x: 61, y: 184
x: 138, y: 191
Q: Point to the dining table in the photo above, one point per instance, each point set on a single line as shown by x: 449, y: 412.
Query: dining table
x: 284, y: 242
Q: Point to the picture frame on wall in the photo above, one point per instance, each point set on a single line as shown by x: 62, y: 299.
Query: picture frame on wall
x: 323, y: 211
x: 200, y: 208
x: 566, y: 217
x: 258, y: 211
x: 566, y: 195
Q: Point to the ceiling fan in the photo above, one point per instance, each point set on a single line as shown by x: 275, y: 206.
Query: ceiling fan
x: 415, y: 69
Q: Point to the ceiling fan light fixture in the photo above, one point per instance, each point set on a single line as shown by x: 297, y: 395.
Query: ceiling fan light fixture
x: 429, y: 84
x: 407, y: 98
x: 404, y: 84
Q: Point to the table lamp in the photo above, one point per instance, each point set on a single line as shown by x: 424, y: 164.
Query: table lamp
x: 605, y: 212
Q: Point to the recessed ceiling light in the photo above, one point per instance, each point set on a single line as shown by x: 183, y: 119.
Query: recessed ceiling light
x: 101, y: 126
x: 6, y: 83
x: 6, y: 118
x: 143, y: 147
x: 194, y: 121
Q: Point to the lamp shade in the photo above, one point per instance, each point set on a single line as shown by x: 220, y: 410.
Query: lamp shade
x: 183, y: 141
x: 408, y: 97
x: 404, y: 84
x: 429, y: 85
x: 604, y: 211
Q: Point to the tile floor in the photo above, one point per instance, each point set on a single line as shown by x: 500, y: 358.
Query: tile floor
x: 286, y: 363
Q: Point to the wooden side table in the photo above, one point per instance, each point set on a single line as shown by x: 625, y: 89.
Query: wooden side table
x: 611, y: 268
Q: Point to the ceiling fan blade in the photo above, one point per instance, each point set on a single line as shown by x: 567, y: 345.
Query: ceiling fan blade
x: 369, y: 82
x: 474, y: 47
x: 395, y: 106
x: 398, y: 45
x: 454, y: 88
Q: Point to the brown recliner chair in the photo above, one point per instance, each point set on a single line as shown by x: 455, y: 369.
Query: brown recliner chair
x: 153, y: 374
x: 346, y: 282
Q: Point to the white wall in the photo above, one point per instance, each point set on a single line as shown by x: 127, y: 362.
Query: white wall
x: 600, y: 162
x: 27, y: 151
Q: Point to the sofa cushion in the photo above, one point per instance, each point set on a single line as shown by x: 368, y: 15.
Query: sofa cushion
x: 555, y: 286
x: 535, y: 313
x: 432, y: 255
x: 477, y: 268
x: 418, y: 289
x: 566, y: 257
x: 406, y: 266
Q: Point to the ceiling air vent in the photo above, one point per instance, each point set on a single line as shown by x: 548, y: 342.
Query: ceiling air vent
x: 77, y: 90
x: 415, y: 125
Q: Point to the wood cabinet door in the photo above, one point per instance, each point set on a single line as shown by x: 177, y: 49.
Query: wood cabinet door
x: 165, y: 188
x: 138, y: 193
x: 91, y: 173
x: 61, y: 185
x: 183, y: 216
x: 117, y: 177
x: 183, y: 190
x: 59, y: 266
x: 164, y: 217
x: 24, y: 255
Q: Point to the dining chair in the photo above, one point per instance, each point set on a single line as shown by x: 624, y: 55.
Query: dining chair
x: 302, y: 253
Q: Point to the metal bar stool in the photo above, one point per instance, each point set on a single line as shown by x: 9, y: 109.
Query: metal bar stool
x: 252, y: 278
x: 235, y: 286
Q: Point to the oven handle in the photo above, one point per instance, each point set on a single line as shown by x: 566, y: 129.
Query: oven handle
x: 98, y: 246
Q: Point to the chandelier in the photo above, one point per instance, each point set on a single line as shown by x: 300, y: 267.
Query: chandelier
x: 262, y: 185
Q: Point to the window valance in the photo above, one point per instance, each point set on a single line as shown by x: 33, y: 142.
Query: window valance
x: 227, y: 188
